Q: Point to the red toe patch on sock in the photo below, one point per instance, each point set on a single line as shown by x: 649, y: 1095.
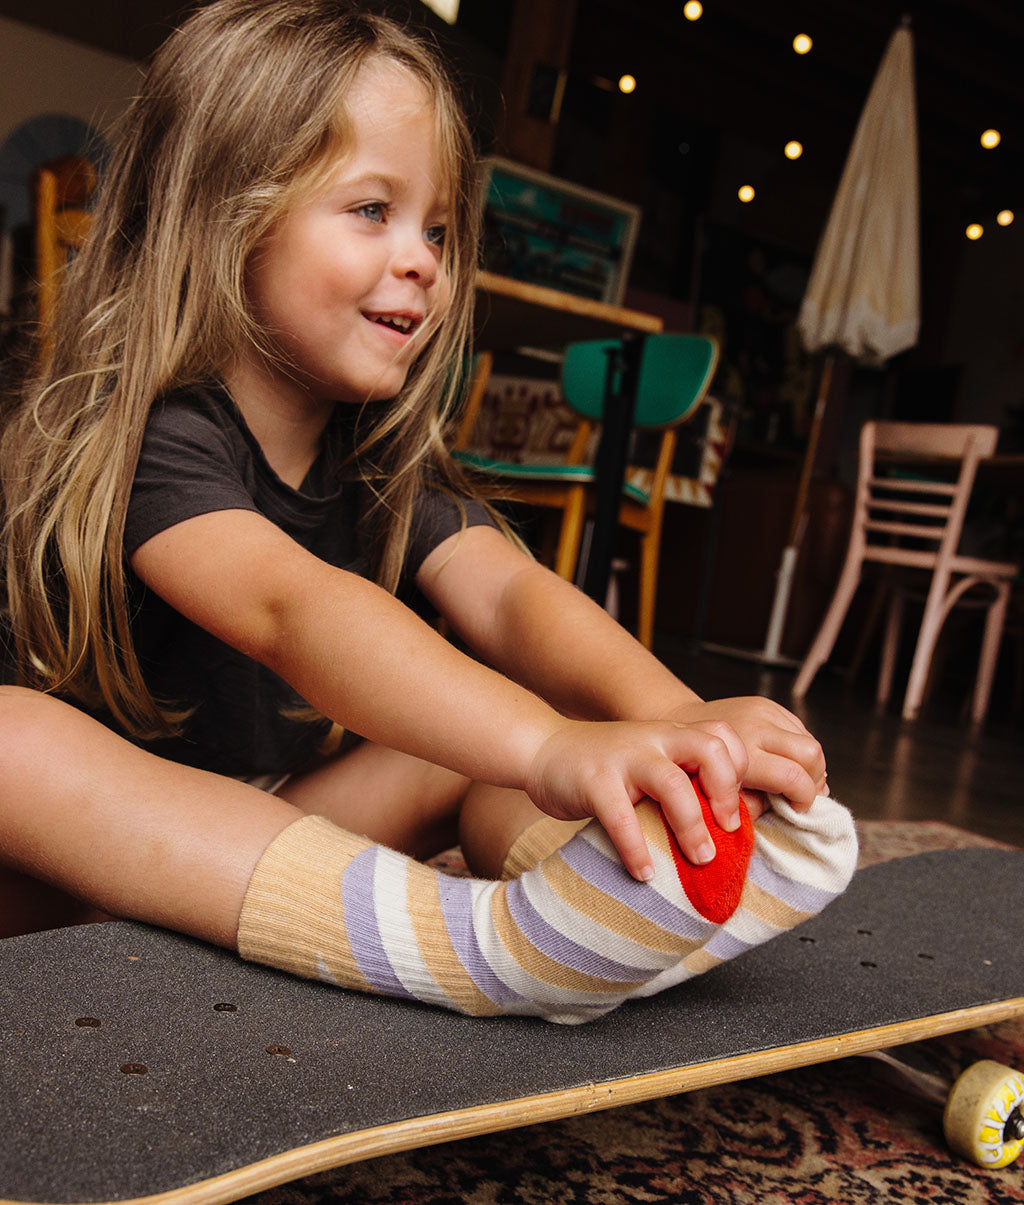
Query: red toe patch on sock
x: 715, y: 889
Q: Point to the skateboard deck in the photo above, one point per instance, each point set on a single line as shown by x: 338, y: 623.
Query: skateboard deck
x: 140, y: 1064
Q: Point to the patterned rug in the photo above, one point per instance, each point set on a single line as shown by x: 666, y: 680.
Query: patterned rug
x: 835, y: 1134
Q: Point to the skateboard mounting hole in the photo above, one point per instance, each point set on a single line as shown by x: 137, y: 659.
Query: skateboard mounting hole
x: 927, y: 957
x: 278, y: 1050
x: 223, y: 1007
x: 807, y: 940
x: 134, y: 1068
x: 870, y: 965
x: 864, y: 933
x: 88, y: 1022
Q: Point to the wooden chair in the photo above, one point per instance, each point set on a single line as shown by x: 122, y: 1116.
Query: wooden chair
x: 63, y: 189
x: 907, y: 518
x: 675, y: 373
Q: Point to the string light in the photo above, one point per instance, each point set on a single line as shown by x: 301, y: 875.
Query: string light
x: 746, y: 193
x: 793, y: 150
x: 1005, y: 217
x: 627, y: 84
x: 974, y: 231
x: 802, y: 43
x: 991, y: 139
x: 693, y: 10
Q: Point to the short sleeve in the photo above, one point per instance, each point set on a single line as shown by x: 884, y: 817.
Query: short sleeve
x: 189, y: 465
x: 438, y: 516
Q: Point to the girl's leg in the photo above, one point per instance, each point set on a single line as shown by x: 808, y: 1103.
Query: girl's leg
x: 126, y: 832
x: 429, y: 809
x: 569, y: 939
x: 390, y: 797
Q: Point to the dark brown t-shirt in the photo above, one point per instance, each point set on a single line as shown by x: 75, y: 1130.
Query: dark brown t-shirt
x: 199, y: 456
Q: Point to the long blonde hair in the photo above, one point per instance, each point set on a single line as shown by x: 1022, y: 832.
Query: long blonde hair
x: 241, y: 109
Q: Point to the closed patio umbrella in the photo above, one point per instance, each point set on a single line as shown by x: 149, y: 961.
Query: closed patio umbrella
x: 863, y: 297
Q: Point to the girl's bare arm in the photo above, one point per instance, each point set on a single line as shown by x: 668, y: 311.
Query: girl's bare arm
x: 540, y: 630
x: 364, y: 659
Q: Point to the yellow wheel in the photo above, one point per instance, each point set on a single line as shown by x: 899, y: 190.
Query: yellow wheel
x: 984, y: 1117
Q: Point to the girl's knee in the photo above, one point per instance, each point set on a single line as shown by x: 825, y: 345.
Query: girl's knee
x: 34, y: 726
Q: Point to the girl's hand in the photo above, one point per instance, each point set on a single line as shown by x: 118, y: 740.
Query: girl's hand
x: 784, y: 759
x: 605, y: 769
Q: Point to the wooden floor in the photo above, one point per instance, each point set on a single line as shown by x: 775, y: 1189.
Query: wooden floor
x: 882, y: 767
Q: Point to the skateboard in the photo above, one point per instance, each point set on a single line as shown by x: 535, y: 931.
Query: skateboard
x: 138, y: 1064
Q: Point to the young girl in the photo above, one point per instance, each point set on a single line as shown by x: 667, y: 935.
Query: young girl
x: 225, y: 497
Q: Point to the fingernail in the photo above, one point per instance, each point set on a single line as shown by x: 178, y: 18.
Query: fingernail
x: 645, y: 874
x: 732, y: 824
x: 705, y: 854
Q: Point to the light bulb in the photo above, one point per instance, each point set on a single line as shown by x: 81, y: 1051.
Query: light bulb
x: 627, y: 84
x: 802, y: 43
x: 793, y: 150
x: 746, y: 193
x: 991, y: 139
x: 974, y: 231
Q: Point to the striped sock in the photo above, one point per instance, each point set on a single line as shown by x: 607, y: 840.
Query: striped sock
x: 569, y: 939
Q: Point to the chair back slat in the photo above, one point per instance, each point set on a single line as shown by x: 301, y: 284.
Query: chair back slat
x: 934, y: 510
x: 914, y: 531
x: 909, y: 485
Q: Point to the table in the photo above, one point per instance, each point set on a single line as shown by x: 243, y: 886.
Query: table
x: 513, y: 313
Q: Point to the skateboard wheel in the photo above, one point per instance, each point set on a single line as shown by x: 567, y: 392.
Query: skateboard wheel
x: 984, y: 1116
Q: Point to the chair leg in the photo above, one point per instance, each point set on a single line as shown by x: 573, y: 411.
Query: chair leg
x: 995, y: 620
x: 934, y: 616
x: 867, y: 632
x: 890, y: 645
x: 825, y: 640
x: 649, y: 554
x: 573, y: 515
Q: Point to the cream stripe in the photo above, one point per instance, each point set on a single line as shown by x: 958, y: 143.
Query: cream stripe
x: 423, y: 897
x: 394, y: 924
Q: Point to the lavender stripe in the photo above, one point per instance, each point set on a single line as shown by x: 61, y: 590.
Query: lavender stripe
x: 562, y: 948
x: 610, y: 876
x: 802, y: 896
x: 362, y: 927
x: 457, y: 911
x: 725, y: 945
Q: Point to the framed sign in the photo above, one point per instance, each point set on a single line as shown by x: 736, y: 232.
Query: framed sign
x: 547, y: 231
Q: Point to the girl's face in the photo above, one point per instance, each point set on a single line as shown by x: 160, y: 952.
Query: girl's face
x: 343, y: 282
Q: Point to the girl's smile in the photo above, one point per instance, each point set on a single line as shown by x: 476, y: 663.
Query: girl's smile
x: 344, y: 282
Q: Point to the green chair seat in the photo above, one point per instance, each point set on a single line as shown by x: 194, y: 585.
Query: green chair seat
x: 570, y: 474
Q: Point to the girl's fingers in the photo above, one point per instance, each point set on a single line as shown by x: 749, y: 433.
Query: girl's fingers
x: 800, y: 748
x: 674, y: 791
x: 782, y: 776
x: 720, y: 776
x: 625, y: 833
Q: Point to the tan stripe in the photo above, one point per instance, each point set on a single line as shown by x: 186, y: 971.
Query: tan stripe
x: 292, y: 910
x: 769, y: 908
x: 538, y: 964
x: 590, y: 901
x: 423, y: 899
x: 536, y: 841
x: 700, y: 961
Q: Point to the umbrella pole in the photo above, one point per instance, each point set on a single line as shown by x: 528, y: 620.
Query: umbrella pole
x: 798, y: 524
